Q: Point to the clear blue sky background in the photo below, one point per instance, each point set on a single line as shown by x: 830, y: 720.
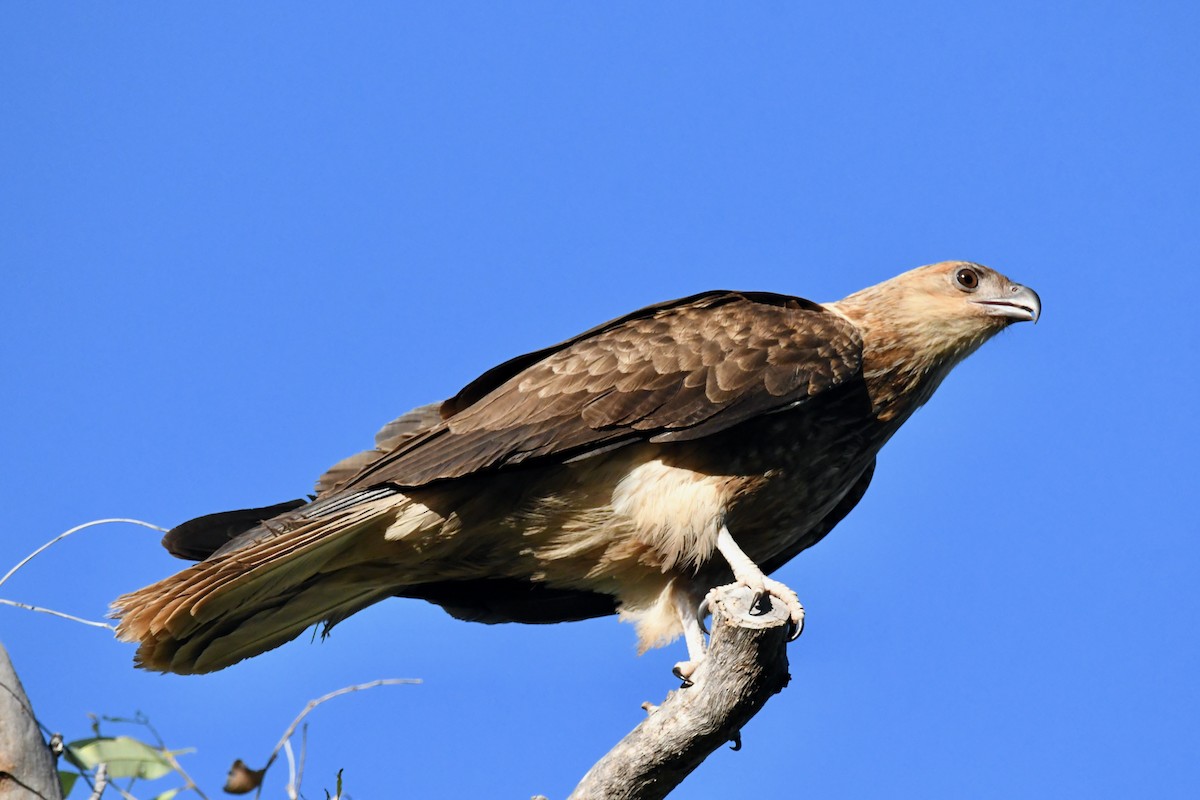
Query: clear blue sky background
x: 236, y: 239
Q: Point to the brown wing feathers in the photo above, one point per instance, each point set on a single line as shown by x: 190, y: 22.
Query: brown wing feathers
x: 671, y: 372
x: 201, y: 537
x: 390, y: 437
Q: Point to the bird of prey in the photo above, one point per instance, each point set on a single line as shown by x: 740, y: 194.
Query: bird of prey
x: 627, y: 470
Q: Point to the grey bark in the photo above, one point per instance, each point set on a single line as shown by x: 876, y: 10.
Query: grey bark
x: 746, y: 664
x: 27, y: 767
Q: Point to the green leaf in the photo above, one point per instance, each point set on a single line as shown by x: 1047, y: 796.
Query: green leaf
x: 168, y: 794
x: 66, y: 780
x: 125, y: 757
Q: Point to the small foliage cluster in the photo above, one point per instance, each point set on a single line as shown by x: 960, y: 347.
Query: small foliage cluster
x: 123, y: 761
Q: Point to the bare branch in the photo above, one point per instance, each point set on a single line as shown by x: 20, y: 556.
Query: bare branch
x: 338, y: 693
x: 125, y: 793
x: 292, y: 793
x: 175, y: 765
x: 242, y: 779
x: 65, y: 534
x: 303, y: 756
x: 745, y: 666
x: 47, y: 545
x: 53, y: 613
x: 101, y: 782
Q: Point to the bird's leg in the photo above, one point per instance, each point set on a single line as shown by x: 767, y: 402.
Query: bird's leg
x: 747, y: 573
x: 693, y: 636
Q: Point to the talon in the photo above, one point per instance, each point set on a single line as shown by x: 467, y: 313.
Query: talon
x: 756, y: 608
x: 736, y: 740
x: 684, y: 670
x: 701, y: 613
x: 797, y: 622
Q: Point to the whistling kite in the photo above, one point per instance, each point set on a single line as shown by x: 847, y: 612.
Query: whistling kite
x: 629, y: 469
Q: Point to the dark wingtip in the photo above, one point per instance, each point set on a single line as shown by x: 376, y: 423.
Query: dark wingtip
x: 199, y: 538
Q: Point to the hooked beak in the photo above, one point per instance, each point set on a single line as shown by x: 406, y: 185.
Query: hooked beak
x: 1019, y: 303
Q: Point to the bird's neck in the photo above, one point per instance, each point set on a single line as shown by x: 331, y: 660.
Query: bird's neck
x: 906, y: 353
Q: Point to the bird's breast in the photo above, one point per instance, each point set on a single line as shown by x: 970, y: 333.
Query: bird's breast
x: 657, y: 509
x: 787, y: 472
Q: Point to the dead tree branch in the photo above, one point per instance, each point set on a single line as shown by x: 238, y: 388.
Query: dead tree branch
x: 746, y: 664
x: 27, y: 768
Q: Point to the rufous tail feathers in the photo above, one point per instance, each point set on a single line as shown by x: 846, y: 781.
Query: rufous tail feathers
x: 263, y: 588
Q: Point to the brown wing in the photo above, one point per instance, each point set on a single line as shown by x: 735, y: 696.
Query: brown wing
x: 389, y: 438
x: 199, y: 538
x: 670, y: 372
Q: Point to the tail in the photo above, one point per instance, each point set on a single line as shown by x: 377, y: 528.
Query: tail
x: 264, y: 587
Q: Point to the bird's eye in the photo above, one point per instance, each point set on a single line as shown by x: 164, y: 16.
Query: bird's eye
x: 967, y: 278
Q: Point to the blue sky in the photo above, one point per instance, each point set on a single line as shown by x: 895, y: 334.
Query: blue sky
x: 237, y: 239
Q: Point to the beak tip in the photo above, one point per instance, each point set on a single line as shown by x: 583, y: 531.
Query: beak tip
x: 1030, y: 301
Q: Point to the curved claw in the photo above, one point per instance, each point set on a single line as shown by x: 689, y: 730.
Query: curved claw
x: 756, y: 604
x: 684, y: 670
x: 736, y: 741
x: 701, y: 613
x: 798, y: 628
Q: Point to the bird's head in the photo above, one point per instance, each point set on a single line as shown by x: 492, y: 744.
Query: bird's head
x: 945, y: 306
x: 962, y: 290
x: 918, y: 325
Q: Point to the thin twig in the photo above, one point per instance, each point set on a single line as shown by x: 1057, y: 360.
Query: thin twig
x: 314, y: 703
x: 300, y: 761
x: 141, y: 719
x: 190, y: 784
x: 53, y: 613
x: 291, y: 784
x: 101, y: 781
x: 125, y: 793
x: 47, y: 545
x: 76, y: 529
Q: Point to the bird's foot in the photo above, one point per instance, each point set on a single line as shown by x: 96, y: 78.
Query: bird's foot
x: 764, y: 588
x: 693, y: 636
x: 684, y: 670
x: 772, y: 588
x: 747, y: 573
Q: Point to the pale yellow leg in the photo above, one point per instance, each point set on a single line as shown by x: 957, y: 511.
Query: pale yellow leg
x: 747, y: 573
